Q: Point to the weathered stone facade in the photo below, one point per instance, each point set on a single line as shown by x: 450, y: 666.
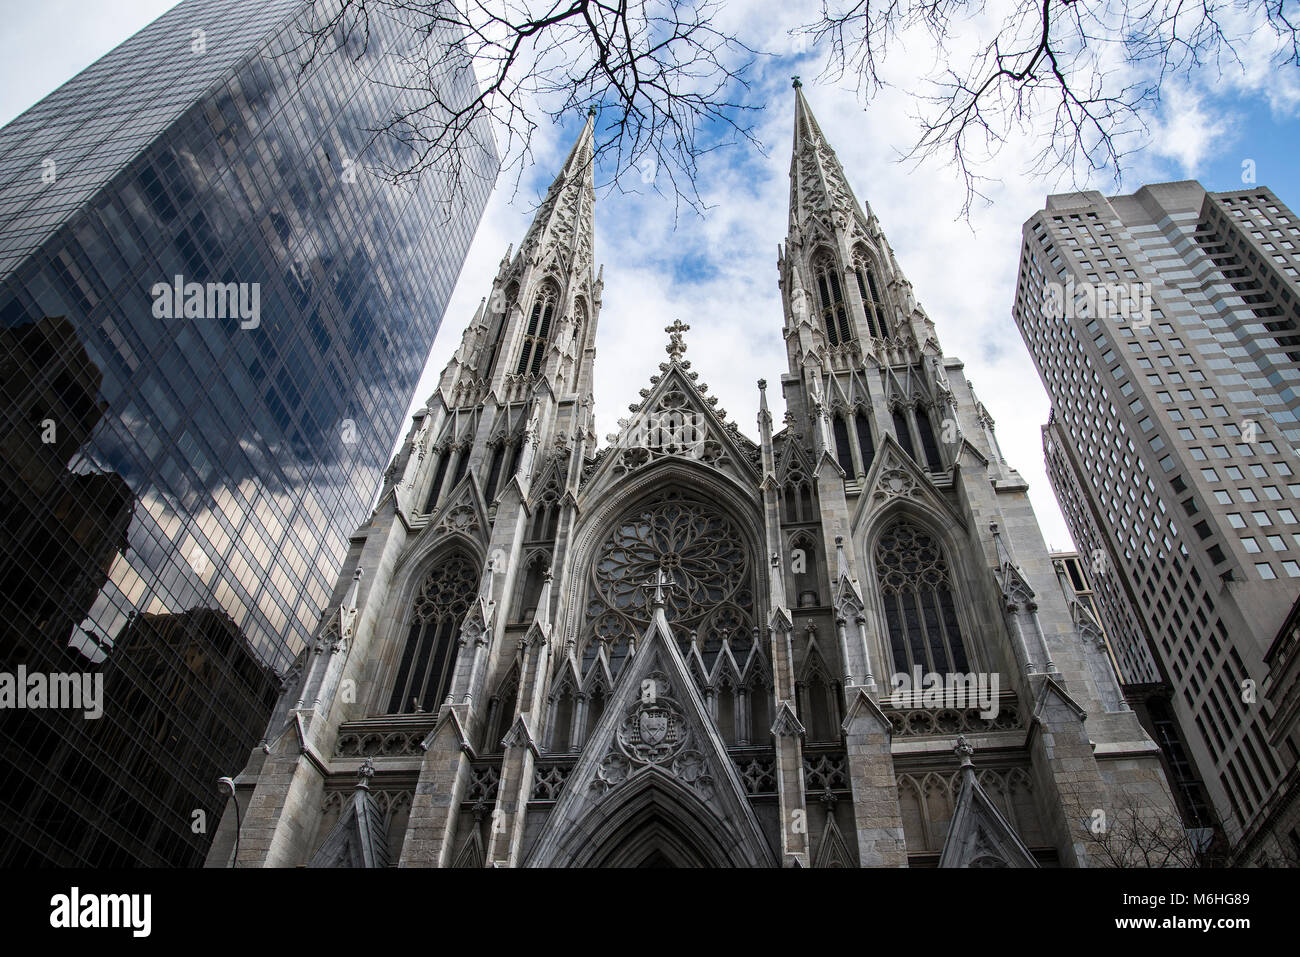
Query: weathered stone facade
x: 679, y: 649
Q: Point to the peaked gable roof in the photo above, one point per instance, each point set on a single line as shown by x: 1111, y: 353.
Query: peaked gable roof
x: 655, y: 735
x: 979, y: 835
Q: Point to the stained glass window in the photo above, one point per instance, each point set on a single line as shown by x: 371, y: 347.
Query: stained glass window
x: 424, y: 674
x: 700, y: 549
x: 916, y: 591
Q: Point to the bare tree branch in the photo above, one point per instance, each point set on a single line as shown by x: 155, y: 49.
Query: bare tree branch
x: 668, y: 86
x: 1081, y: 79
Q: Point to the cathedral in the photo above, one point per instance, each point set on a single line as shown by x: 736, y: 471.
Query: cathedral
x: 840, y: 643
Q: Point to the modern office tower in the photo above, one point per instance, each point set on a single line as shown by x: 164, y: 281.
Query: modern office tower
x: 687, y: 647
x: 1164, y: 326
x: 213, y: 313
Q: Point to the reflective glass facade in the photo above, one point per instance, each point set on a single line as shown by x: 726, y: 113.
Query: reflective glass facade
x: 212, y: 318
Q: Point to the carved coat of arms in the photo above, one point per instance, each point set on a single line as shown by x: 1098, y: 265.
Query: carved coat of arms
x: 653, y: 726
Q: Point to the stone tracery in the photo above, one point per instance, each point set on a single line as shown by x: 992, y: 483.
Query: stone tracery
x: 698, y: 546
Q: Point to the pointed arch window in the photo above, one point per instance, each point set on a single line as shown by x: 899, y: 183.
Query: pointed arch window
x: 538, y: 333
x: 424, y: 673
x: 902, y: 432
x: 516, y: 451
x: 440, y: 473
x: 835, y: 314
x: 818, y: 702
x: 916, y: 591
x: 843, y: 450
x: 501, y: 712
x: 531, y: 592
x: 866, y: 444
x: 494, y: 471
x: 925, y: 430
x: 799, y: 496
x: 803, y: 569
x: 546, y: 515
x: 870, y: 292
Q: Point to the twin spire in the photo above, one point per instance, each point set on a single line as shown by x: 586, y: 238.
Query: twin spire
x: 566, y: 216
x: 817, y: 181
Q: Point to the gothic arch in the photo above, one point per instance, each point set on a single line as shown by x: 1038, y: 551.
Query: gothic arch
x: 960, y: 575
x: 539, y: 324
x: 832, y: 302
x: 869, y: 277
x: 528, y: 588
x: 697, y: 542
x: 653, y: 820
x: 411, y: 573
x: 612, y: 503
x: 806, y: 582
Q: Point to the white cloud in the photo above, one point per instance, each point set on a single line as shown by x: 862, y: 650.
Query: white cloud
x: 1187, y: 131
x: 963, y: 273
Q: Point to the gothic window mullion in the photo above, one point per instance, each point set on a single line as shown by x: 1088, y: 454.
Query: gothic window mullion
x: 875, y: 298
x: 440, y: 473
x: 866, y: 445
x: 841, y: 312
x: 828, y: 320
x: 903, y: 432
x: 916, y: 591
x: 915, y: 630
x: 494, y: 471
x: 940, y: 658
x: 868, y: 304
x: 950, y: 649
x: 949, y: 612
x: 843, y: 447
x: 925, y: 430
x: 430, y: 636
x: 430, y: 653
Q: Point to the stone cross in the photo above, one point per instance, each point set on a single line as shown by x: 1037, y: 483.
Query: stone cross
x: 658, y: 582
x: 676, y: 346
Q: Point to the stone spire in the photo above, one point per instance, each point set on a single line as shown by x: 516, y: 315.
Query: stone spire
x: 553, y: 265
x: 817, y: 181
x: 566, y: 216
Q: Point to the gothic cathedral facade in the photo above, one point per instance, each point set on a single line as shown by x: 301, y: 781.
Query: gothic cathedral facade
x: 688, y: 647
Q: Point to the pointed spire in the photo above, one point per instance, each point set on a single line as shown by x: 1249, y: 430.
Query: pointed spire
x: 565, y: 216
x: 817, y: 181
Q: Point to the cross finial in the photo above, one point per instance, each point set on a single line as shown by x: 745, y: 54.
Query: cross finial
x: 365, y: 773
x: 658, y: 582
x: 964, y: 753
x: 796, y: 84
x: 676, y: 346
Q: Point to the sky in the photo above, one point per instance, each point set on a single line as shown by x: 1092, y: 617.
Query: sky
x: 717, y: 270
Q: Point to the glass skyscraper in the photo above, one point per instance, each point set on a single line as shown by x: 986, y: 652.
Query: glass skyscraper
x: 213, y: 314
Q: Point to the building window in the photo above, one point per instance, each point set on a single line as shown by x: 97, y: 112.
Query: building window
x: 916, y: 591
x: 843, y: 451
x: 835, y: 314
x: 866, y: 445
x: 538, y: 333
x: 902, y: 432
x: 424, y: 674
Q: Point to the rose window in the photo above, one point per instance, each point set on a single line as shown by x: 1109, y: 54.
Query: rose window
x: 699, y: 548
